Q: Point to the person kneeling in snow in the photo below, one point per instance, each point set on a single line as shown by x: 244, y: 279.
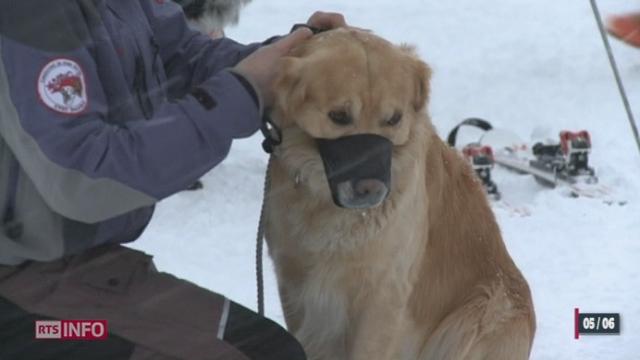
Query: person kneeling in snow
x: 107, y: 107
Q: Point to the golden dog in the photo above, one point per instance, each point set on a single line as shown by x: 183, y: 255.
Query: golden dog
x: 410, y: 269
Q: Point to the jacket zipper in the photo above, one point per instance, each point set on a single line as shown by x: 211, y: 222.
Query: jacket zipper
x: 141, y: 89
x: 12, y: 227
x: 156, y: 59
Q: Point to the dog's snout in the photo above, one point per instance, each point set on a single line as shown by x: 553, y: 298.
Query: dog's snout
x: 369, y: 187
x: 362, y: 194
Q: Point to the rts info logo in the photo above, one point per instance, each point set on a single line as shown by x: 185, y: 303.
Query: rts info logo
x: 72, y: 329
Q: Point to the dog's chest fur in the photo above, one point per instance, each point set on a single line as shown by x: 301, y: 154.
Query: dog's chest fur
x: 334, y: 297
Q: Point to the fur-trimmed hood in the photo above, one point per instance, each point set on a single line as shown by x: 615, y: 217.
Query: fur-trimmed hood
x: 212, y: 15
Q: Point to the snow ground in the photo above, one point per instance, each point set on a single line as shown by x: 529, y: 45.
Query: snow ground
x: 534, y: 67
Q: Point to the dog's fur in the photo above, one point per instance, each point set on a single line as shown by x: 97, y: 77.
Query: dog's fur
x: 209, y: 16
x: 423, y: 276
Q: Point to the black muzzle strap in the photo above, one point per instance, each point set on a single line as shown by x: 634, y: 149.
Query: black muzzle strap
x: 354, y: 158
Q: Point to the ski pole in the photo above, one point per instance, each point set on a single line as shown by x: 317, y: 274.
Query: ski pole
x: 616, y: 73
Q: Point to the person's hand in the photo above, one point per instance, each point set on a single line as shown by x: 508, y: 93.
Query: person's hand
x: 326, y: 20
x: 260, y: 68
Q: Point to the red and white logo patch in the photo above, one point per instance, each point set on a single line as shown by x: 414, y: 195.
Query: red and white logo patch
x: 62, y: 87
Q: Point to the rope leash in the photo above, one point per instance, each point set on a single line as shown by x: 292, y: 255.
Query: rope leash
x: 272, y: 138
x: 260, y: 239
x: 616, y: 72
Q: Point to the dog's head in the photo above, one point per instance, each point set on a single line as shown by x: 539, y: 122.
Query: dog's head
x: 347, y: 102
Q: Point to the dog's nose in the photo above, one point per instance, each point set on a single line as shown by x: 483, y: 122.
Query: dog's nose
x: 361, y: 194
x: 370, y: 188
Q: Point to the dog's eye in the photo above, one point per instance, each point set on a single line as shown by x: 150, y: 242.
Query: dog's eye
x: 340, y: 117
x: 394, y: 120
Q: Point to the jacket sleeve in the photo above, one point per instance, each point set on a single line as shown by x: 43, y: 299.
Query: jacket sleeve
x: 189, y: 56
x: 89, y: 169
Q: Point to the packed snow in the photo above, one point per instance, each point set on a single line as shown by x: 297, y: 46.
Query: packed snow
x: 533, y: 67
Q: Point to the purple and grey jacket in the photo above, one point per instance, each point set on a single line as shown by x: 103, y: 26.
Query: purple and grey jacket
x: 107, y: 107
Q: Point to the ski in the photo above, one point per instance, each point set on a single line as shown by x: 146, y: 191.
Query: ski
x: 562, y: 164
x: 552, y: 178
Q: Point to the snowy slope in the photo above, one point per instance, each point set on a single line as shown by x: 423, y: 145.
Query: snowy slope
x: 535, y: 67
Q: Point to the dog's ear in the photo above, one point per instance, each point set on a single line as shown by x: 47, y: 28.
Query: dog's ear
x: 288, y: 86
x: 423, y: 85
x: 421, y: 73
